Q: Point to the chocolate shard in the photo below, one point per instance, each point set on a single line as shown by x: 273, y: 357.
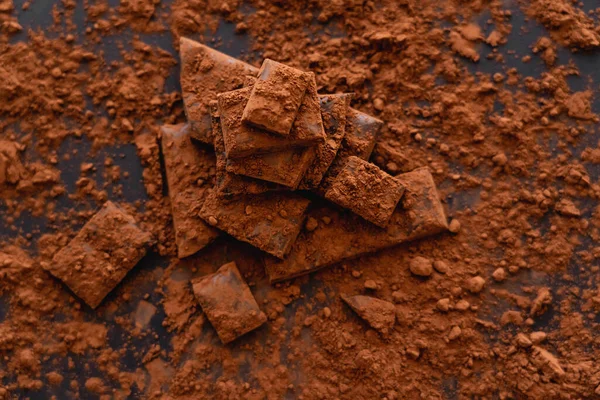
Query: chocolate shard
x: 205, y: 72
x: 242, y: 140
x: 419, y: 214
x: 108, y: 246
x: 228, y: 184
x: 366, y: 190
x: 276, y: 97
x: 379, y: 314
x: 228, y: 303
x: 361, y: 135
x: 186, y: 167
x: 270, y: 221
x: 334, y: 108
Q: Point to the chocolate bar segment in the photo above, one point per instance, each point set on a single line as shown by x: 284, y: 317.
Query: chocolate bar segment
x: 228, y: 303
x: 187, y: 167
x: 276, y: 97
x: 269, y: 221
x: 334, y: 108
x: 366, y: 190
x: 108, y: 246
x: 347, y: 235
x: 205, y: 72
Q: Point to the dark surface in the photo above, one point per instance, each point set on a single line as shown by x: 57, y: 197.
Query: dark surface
x: 37, y: 17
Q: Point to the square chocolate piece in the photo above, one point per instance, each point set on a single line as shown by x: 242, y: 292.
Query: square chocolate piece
x: 334, y: 108
x: 242, y: 140
x: 228, y: 303
x: 229, y: 184
x: 108, y: 246
x: 341, y: 235
x: 205, y: 72
x: 285, y: 168
x: 270, y: 221
x: 188, y: 169
x: 275, y: 98
x: 366, y: 190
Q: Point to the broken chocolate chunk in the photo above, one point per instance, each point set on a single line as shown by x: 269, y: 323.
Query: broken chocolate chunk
x: 379, y: 314
x: 186, y: 165
x: 242, y: 140
x: 229, y: 184
x: 276, y: 97
x: 366, y: 190
x: 347, y: 235
x: 334, y: 108
x: 269, y: 221
x: 108, y: 246
x: 204, y: 73
x: 228, y: 303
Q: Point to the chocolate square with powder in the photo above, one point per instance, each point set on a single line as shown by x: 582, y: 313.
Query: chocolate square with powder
x: 334, y: 108
x: 108, y: 246
x: 269, y: 221
x: 228, y: 303
x: 228, y: 184
x: 242, y: 140
x: 187, y: 166
x: 205, y: 72
x: 275, y: 98
x: 366, y: 190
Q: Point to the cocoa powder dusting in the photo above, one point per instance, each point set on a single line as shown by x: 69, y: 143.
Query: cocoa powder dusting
x: 139, y: 259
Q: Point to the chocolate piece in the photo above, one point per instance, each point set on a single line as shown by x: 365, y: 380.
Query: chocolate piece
x: 186, y: 165
x: 228, y: 303
x: 242, y: 140
x: 107, y: 247
x: 379, y: 314
x: 366, y: 190
x: 275, y: 98
x: 228, y: 184
x: 361, y: 134
x: 334, y: 108
x: 204, y: 73
x: 269, y: 221
x: 285, y: 168
x: 419, y: 214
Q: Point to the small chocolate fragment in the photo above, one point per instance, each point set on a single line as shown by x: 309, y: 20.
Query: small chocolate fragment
x: 276, y: 97
x: 205, y: 72
x: 334, y: 108
x: 285, y: 168
x: 272, y: 225
x: 108, y: 246
x: 366, y: 190
x: 419, y: 214
x: 186, y: 165
x: 228, y: 184
x: 379, y: 314
x: 361, y: 134
x: 242, y: 140
x: 228, y: 303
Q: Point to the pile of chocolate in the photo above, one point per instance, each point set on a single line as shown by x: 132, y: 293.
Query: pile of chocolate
x: 269, y: 161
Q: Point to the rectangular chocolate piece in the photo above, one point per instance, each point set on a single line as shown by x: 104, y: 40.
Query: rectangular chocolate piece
x: 284, y: 168
x: 228, y: 303
x: 419, y: 214
x: 269, y: 221
x: 366, y: 190
x: 229, y: 184
x: 205, y: 72
x: 108, y: 246
x: 334, y: 108
x: 242, y: 140
x: 275, y: 98
x: 187, y: 167
x: 360, y: 138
